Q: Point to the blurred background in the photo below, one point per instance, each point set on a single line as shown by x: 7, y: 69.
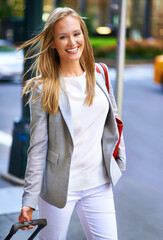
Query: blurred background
x: 144, y: 27
x: 138, y: 195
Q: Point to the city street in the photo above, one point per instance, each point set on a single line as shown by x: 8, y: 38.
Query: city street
x: 138, y: 195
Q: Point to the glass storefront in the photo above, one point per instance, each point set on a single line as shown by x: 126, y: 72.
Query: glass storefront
x: 144, y: 17
x: 141, y: 14
x: 157, y: 19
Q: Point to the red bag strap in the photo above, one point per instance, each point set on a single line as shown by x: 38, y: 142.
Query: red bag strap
x: 118, y: 121
x: 106, y: 74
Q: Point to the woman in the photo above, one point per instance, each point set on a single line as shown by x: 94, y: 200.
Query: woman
x: 73, y: 134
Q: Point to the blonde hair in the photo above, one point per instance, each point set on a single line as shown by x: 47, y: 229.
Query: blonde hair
x: 47, y: 63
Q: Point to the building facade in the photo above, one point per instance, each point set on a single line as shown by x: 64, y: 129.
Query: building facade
x: 144, y: 17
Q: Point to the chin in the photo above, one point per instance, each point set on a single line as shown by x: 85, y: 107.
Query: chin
x: 72, y: 59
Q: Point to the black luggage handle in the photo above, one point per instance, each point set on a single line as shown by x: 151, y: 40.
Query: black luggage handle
x: 15, y: 227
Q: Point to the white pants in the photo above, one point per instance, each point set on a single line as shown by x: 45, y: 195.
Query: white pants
x: 95, y: 209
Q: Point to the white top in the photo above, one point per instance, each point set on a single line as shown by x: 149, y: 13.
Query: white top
x: 87, y: 168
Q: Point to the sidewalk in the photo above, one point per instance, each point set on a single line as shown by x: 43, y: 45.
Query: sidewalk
x: 7, y: 220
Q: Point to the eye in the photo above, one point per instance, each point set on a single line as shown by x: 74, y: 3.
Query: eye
x: 77, y: 34
x: 62, y: 37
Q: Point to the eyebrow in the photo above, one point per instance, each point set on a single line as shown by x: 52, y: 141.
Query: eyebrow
x: 73, y: 32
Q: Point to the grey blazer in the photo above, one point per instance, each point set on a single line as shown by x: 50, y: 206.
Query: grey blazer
x: 51, y: 148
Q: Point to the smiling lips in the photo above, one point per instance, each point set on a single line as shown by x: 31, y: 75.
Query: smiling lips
x: 73, y: 50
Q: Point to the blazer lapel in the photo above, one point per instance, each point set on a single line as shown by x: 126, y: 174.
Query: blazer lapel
x: 65, y: 109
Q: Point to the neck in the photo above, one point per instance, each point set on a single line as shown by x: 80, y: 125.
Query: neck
x: 72, y: 69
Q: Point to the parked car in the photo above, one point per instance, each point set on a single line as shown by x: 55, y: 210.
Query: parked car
x: 11, y: 62
x: 158, y: 70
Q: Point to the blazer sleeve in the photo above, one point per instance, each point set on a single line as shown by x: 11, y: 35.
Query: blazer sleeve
x: 121, y: 155
x: 36, y: 153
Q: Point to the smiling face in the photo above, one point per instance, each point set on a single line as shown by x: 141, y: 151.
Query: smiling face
x: 68, y: 39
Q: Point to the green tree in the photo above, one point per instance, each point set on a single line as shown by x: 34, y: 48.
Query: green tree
x: 5, y: 9
x: 11, y: 9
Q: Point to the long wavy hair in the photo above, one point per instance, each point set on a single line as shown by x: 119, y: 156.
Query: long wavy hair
x: 47, y: 63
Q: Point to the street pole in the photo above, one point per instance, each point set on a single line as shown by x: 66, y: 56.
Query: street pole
x: 32, y: 25
x: 147, y: 18
x: 21, y: 132
x: 82, y: 6
x: 58, y: 3
x: 121, y: 55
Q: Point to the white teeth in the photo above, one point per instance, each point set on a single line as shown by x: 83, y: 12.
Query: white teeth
x: 72, y: 50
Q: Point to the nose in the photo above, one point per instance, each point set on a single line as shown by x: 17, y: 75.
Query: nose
x: 71, y: 41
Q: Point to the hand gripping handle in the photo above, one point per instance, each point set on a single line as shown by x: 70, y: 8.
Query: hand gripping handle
x: 40, y: 222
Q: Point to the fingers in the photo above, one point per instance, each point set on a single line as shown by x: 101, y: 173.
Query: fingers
x: 28, y: 228
x: 26, y: 215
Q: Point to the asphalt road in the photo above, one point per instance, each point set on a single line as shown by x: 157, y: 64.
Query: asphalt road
x: 138, y: 195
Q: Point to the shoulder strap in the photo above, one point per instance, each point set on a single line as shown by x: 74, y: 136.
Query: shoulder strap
x: 106, y: 74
